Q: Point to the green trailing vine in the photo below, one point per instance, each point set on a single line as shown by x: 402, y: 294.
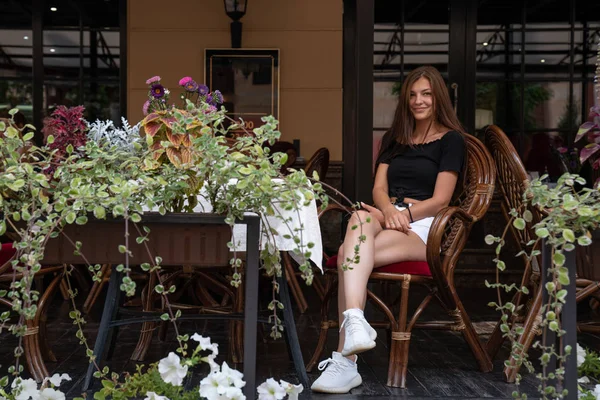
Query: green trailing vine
x: 568, y: 218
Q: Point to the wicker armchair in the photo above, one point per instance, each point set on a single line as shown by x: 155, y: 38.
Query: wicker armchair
x: 447, y: 238
x: 512, y: 181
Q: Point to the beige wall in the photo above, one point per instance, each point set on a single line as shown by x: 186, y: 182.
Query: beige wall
x: 168, y: 38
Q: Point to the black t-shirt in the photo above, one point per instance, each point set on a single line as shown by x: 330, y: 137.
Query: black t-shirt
x: 413, y: 169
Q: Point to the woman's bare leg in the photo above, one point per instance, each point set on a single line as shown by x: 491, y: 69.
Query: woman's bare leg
x: 357, y: 275
x: 382, y: 247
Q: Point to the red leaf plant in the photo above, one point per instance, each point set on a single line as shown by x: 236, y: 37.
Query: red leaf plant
x: 68, y: 127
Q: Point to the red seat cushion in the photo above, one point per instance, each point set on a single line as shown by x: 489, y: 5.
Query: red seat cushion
x: 405, y: 267
x: 6, y: 252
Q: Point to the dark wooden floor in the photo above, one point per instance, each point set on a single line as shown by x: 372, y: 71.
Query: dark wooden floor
x: 440, y: 365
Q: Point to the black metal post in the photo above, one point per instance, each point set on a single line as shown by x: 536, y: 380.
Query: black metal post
x: 463, y: 47
x: 569, y: 324
x: 357, y: 83
x: 93, y: 90
x: 548, y: 337
x: 251, y: 305
x: 38, y: 66
x: 123, y: 57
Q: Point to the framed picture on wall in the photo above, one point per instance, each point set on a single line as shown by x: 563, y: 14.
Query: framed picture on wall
x: 248, y: 79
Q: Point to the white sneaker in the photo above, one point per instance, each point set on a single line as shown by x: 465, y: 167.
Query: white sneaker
x: 340, y: 375
x: 359, y: 336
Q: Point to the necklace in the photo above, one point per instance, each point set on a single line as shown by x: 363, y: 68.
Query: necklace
x: 427, y: 134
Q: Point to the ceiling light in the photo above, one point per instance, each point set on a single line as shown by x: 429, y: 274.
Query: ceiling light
x: 542, y: 60
x: 53, y: 9
x: 485, y: 43
x: 26, y: 37
x: 52, y: 50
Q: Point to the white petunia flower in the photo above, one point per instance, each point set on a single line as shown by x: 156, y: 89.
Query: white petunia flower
x: 154, y: 396
x: 204, y: 342
x: 57, y: 379
x: 51, y: 394
x: 580, y: 355
x: 27, y: 388
x: 270, y: 390
x: 171, y: 371
x: 234, y: 377
x: 597, y: 392
x: 583, y: 379
x: 214, y: 367
x: 232, y: 393
x: 214, y: 385
x: 292, y: 390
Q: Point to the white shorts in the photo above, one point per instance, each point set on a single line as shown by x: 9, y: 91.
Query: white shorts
x: 420, y: 227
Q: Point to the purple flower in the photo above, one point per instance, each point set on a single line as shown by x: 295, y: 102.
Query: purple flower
x: 202, y: 90
x: 152, y: 80
x: 145, y: 107
x: 183, y: 81
x: 209, y: 99
x: 157, y: 91
x: 217, y: 97
x: 211, y: 109
x: 191, y: 86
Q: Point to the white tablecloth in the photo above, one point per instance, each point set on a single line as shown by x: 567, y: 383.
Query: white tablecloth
x: 305, y: 217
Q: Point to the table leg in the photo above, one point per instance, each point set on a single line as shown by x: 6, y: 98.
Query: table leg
x: 111, y: 307
x: 290, y: 330
x: 251, y: 306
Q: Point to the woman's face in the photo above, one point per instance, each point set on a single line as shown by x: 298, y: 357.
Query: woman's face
x: 421, y: 99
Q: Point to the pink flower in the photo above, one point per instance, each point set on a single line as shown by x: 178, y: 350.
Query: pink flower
x: 152, y: 80
x: 145, y: 107
x: 183, y: 81
x: 562, y: 150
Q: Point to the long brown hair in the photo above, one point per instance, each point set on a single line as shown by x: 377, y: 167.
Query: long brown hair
x: 403, y: 127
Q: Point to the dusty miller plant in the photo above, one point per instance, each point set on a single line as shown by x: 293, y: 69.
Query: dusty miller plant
x: 569, y: 216
x: 126, y: 137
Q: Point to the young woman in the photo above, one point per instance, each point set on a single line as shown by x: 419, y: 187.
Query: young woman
x: 417, y: 169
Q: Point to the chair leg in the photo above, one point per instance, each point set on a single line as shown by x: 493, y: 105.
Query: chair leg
x: 319, y: 288
x: 96, y: 288
x: 147, y: 331
x: 325, y: 323
x: 64, y: 291
x: 33, y: 336
x: 398, y: 363
x: 472, y: 338
x: 293, y: 283
x: 529, y: 331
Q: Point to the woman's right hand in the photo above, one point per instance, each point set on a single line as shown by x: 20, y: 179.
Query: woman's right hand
x: 396, y: 219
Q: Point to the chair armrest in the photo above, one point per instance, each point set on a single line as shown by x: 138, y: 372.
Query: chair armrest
x: 441, y: 272
x: 439, y: 224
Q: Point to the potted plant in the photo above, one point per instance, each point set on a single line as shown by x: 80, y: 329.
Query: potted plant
x: 93, y: 171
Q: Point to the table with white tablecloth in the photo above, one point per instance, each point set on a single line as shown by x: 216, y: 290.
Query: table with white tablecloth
x: 285, y: 222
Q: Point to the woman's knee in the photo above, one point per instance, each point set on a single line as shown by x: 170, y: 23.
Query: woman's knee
x: 359, y: 217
